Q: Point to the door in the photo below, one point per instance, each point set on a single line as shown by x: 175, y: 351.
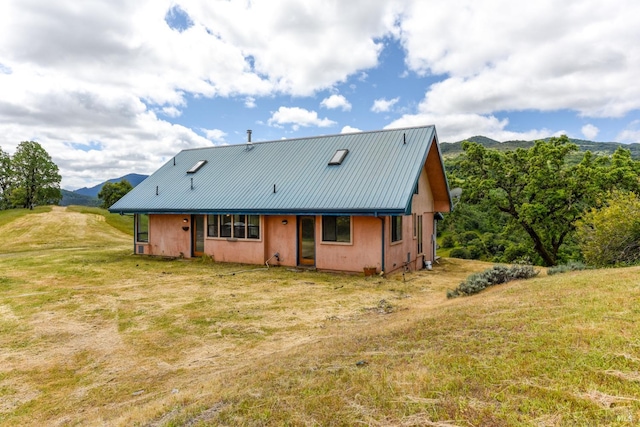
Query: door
x: 197, y: 235
x: 307, y: 240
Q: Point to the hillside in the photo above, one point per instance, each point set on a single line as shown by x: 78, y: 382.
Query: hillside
x: 133, y: 178
x: 452, y: 149
x: 93, y: 335
x: 73, y: 198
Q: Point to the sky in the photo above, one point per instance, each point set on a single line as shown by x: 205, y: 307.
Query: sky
x: 116, y: 86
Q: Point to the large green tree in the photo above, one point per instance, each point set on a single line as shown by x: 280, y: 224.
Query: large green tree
x: 7, y: 180
x: 536, y: 187
x: 37, y: 180
x: 111, y: 192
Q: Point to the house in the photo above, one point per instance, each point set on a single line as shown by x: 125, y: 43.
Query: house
x: 338, y: 202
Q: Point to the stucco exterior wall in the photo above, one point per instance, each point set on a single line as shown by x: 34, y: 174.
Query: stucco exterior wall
x: 365, y: 249
x: 244, y: 251
x: 280, y: 238
x: 398, y: 253
x: 166, y: 236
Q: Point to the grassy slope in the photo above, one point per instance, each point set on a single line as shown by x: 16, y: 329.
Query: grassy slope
x: 92, y: 334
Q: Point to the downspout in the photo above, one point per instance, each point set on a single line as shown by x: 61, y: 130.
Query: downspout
x: 381, y: 218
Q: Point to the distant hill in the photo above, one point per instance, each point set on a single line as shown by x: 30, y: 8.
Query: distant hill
x: 71, y: 198
x: 133, y: 178
x: 452, y: 149
x: 89, y: 196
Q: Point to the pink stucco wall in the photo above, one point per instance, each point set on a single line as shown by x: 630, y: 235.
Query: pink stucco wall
x: 166, y: 236
x: 365, y: 249
x: 280, y: 238
x: 397, y: 253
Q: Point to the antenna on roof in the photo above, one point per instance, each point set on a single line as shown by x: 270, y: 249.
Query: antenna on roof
x: 249, y: 144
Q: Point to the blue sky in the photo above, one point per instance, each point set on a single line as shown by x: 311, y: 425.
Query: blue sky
x: 110, y: 88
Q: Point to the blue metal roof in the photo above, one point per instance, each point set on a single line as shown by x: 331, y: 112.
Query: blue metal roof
x: 377, y: 176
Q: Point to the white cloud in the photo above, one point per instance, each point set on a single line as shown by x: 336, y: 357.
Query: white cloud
x: 458, y: 127
x: 631, y: 133
x: 297, y: 117
x: 349, y: 129
x: 215, y: 135
x: 336, y: 101
x: 590, y: 131
x: 536, y: 56
x: 171, y: 112
x: 383, y: 105
x: 250, y: 102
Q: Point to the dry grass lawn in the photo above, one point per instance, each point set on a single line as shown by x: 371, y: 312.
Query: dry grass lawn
x: 93, y: 335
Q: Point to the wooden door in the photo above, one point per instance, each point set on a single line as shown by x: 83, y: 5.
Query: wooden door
x: 307, y: 240
x: 197, y: 233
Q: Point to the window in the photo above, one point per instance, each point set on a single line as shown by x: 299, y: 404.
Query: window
x: 415, y: 225
x: 212, y: 225
x: 253, y: 226
x: 234, y: 226
x: 338, y: 157
x: 142, y: 228
x: 336, y: 229
x: 239, y: 226
x: 415, y: 190
x: 396, y: 228
x: 197, y: 166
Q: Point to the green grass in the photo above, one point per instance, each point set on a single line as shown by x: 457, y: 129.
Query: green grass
x: 91, y: 334
x: 123, y: 223
x: 6, y: 216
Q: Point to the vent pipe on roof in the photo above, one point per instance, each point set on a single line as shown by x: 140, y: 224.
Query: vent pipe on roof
x: 274, y: 189
x: 156, y: 190
x: 249, y: 136
x: 404, y: 138
x: 174, y: 161
x: 192, y: 183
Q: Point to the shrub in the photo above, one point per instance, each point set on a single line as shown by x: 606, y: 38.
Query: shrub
x: 494, y: 276
x: 467, y: 237
x: 611, y: 235
x: 448, y: 241
x: 459, y: 253
x: 570, y: 266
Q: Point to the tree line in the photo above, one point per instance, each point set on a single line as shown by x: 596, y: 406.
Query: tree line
x: 28, y: 178
x: 534, y: 203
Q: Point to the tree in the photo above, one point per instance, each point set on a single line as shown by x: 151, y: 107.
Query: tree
x: 111, y: 192
x: 37, y: 181
x: 7, y: 180
x: 535, y: 187
x: 611, y: 235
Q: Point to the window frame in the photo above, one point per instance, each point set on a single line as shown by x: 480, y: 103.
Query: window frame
x: 137, y: 228
x: 395, y: 228
x: 336, y: 242
x: 221, y: 230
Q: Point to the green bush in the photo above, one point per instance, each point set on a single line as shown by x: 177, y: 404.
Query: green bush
x: 570, y: 266
x: 611, y: 235
x: 448, y: 241
x: 459, y: 253
x: 494, y: 276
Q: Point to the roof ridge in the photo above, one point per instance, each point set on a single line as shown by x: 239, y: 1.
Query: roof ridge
x: 309, y: 137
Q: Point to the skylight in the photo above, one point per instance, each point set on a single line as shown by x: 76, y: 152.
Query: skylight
x: 197, y: 166
x: 338, y: 157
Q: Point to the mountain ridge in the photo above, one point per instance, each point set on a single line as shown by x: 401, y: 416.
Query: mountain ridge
x: 451, y: 149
